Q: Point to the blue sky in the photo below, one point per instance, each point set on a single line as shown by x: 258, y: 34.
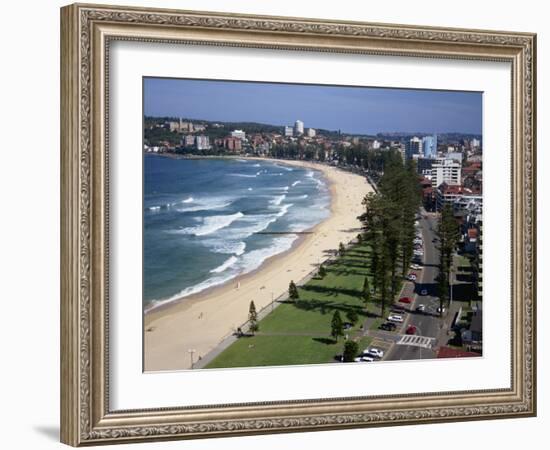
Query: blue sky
x: 350, y: 109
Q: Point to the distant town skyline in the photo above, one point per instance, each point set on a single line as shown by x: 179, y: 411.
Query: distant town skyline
x: 359, y: 110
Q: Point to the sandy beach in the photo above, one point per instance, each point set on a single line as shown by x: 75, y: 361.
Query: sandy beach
x: 200, y: 322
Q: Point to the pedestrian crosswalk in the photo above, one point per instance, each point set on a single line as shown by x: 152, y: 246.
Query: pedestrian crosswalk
x: 416, y: 341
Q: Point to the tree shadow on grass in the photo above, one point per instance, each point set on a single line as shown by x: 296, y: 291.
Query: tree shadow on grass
x: 326, y: 341
x: 332, y: 291
x: 350, y: 272
x: 327, y: 307
x: 352, y: 263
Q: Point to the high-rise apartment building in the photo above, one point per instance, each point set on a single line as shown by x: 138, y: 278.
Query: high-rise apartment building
x: 299, y: 127
x: 429, y: 146
x: 414, y: 147
x: 446, y: 170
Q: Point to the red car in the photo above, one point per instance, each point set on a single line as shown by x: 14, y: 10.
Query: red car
x: 405, y: 300
x: 411, y: 329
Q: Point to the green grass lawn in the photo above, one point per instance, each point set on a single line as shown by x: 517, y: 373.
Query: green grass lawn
x: 298, y: 332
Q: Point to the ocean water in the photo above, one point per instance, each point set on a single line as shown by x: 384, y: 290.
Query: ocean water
x: 203, y: 220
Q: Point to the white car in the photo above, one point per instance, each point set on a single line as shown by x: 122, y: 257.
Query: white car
x: 416, y: 267
x: 374, y: 351
x: 395, y: 318
x: 364, y: 359
x: 418, y: 241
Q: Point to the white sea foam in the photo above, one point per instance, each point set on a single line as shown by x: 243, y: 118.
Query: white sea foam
x: 288, y: 169
x: 195, y: 289
x: 204, y: 207
x: 211, y: 224
x: 277, y: 200
x: 296, y: 183
x: 257, y: 165
x: 243, y: 175
x: 250, y: 189
x: 228, y: 263
x: 227, y: 247
x: 202, y: 204
x: 252, y: 260
x: 281, y: 188
x: 249, y: 225
x: 154, y: 208
x: 284, y: 209
x: 188, y: 200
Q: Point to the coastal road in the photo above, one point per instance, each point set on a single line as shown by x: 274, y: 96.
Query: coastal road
x: 428, y: 324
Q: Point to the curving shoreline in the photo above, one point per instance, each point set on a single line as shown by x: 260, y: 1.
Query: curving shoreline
x: 202, y: 320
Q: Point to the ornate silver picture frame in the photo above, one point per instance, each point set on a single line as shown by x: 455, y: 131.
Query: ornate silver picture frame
x: 87, y: 32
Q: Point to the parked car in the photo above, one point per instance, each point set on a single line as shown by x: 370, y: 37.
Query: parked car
x: 405, y: 300
x: 395, y: 318
x: 398, y: 308
x: 363, y: 359
x: 376, y: 352
x: 411, y: 329
x: 424, y: 292
x: 412, y: 277
x: 416, y: 267
x: 420, y: 308
x: 388, y: 326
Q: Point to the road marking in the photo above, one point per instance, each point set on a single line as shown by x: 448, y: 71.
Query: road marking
x: 416, y: 341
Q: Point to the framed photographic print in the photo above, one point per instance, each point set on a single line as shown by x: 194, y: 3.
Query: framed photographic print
x: 280, y: 224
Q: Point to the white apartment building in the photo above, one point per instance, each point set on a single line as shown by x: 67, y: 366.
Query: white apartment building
x: 289, y: 131
x: 202, y: 142
x: 239, y: 134
x: 446, y: 170
x: 299, y: 127
x: 311, y: 132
